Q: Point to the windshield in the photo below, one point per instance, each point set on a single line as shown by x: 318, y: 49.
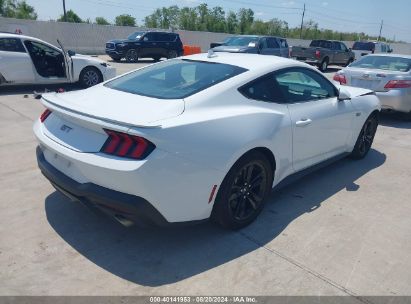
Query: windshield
x: 399, y: 64
x: 174, y: 79
x: 135, y: 36
x: 240, y: 41
x: 364, y: 46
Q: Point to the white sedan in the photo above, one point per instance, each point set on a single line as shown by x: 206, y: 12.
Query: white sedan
x: 28, y: 60
x: 389, y: 75
x: 198, y: 137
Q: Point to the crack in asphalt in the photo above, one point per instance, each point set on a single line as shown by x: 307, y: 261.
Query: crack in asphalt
x: 307, y: 269
x: 15, y: 111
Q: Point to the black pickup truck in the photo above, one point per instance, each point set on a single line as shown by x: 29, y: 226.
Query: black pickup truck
x: 148, y: 44
x: 322, y: 53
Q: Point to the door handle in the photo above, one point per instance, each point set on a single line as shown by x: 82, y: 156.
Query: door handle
x: 303, y: 122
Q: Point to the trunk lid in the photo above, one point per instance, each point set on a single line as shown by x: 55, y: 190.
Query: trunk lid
x: 372, y: 79
x: 79, y: 118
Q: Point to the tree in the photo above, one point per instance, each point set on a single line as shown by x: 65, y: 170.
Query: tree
x: 17, y: 9
x: 71, y: 17
x: 125, y: 20
x: 188, y: 19
x: 231, y: 22
x: 246, y: 19
x: 102, y: 21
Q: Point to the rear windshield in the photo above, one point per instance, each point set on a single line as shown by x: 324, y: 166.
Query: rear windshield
x: 363, y: 46
x: 383, y: 63
x: 240, y: 41
x: 174, y: 79
x: 321, y: 43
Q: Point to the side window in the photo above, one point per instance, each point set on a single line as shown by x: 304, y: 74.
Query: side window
x: 273, y: 44
x: 172, y: 37
x: 263, y: 89
x: 150, y: 37
x: 336, y: 46
x: 263, y: 44
x: 11, y: 45
x: 343, y: 47
x: 36, y: 48
x: 302, y: 85
x: 283, y: 43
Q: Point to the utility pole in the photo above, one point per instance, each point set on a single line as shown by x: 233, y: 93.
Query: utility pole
x: 64, y: 10
x: 379, y: 36
x: 302, y: 21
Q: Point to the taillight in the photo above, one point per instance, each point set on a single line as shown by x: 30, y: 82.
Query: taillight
x: 398, y: 84
x: 318, y: 54
x: 44, y: 115
x: 340, y: 78
x: 125, y: 145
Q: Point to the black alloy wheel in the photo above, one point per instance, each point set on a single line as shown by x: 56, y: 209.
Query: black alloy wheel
x: 241, y: 196
x: 365, y: 138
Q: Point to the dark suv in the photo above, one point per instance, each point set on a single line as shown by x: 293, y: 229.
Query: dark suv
x: 154, y: 45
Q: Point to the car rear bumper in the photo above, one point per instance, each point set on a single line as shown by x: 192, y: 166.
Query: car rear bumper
x: 396, y: 100
x: 126, y: 208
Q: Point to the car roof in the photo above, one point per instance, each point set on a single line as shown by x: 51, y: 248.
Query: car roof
x: 390, y: 55
x: 251, y: 62
x: 8, y: 35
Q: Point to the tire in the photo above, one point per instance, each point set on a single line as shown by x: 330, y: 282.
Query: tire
x: 365, y: 138
x: 238, y: 202
x: 172, y: 54
x: 324, y: 65
x: 132, y: 56
x: 90, y: 76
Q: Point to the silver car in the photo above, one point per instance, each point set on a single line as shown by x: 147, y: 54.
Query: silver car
x: 388, y: 75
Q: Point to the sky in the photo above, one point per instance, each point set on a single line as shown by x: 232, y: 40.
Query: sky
x: 342, y: 15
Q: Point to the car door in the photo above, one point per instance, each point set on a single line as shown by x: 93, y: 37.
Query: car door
x: 48, y: 61
x: 345, y: 53
x: 15, y: 63
x: 150, y: 45
x: 321, y: 123
x: 273, y: 47
x: 338, y: 56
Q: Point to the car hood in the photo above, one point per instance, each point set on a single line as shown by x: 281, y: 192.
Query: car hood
x: 231, y: 48
x: 80, y: 57
x: 115, y: 106
x: 354, y: 91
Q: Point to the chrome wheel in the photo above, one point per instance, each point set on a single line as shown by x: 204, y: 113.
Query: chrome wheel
x: 132, y: 56
x: 248, y: 191
x: 324, y: 66
x: 90, y: 78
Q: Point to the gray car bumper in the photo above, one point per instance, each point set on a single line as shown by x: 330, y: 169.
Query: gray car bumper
x: 397, y: 100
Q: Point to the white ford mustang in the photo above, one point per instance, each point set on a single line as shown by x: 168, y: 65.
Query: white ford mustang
x: 28, y: 60
x: 199, y: 136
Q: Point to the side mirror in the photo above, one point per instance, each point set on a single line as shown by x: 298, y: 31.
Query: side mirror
x: 71, y: 53
x: 343, y: 94
x: 390, y: 51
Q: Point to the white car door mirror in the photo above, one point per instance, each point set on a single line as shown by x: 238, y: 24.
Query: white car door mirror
x: 343, y: 94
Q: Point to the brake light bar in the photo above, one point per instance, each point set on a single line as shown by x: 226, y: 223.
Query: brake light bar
x: 340, y: 78
x: 318, y: 54
x: 44, y: 115
x: 126, y: 145
x: 398, y: 84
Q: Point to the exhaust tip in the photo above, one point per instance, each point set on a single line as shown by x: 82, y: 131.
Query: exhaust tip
x: 123, y: 220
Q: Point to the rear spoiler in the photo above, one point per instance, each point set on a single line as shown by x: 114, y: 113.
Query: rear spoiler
x: 95, y: 119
